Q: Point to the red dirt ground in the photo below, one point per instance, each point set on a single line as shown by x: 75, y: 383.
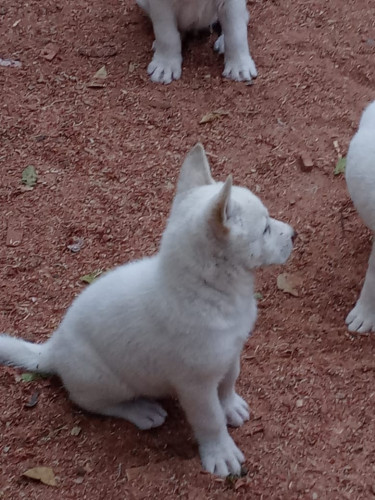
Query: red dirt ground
x: 107, y: 160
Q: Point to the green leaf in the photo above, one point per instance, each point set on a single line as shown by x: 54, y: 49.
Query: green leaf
x: 258, y: 296
x: 29, y: 176
x: 89, y: 278
x: 30, y: 377
x: 340, y: 166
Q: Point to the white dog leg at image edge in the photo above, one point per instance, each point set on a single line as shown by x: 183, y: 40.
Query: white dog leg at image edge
x: 361, y: 318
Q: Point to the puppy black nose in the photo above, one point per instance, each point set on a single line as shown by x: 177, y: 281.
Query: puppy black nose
x: 294, y: 235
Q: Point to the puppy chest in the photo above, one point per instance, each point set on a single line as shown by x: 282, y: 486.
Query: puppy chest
x: 196, y: 14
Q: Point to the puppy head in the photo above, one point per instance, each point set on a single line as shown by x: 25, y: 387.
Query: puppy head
x: 224, y: 219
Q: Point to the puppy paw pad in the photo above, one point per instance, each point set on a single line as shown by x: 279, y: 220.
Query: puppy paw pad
x: 147, y: 414
x: 164, y: 70
x: 222, y: 457
x: 361, y: 319
x: 240, y: 70
x: 236, y: 411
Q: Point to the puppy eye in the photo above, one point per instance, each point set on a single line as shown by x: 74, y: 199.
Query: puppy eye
x: 267, y: 229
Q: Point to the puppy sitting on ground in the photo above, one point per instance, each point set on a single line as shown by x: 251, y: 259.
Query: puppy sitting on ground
x: 170, y: 17
x: 173, y: 324
x: 360, y: 178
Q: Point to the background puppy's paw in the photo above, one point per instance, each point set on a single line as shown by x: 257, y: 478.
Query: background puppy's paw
x: 164, y: 70
x: 242, y: 69
x: 219, y: 45
x: 236, y: 411
x: 222, y: 457
x: 361, y: 319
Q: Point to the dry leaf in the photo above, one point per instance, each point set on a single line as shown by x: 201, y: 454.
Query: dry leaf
x: 242, y: 483
x: 289, y: 283
x: 43, y: 474
x: 14, y: 236
x: 24, y: 189
x: 135, y: 472
x: 98, y: 80
x: 99, y: 51
x: 50, y: 51
x: 76, y: 431
x: 213, y: 115
x: 337, y: 147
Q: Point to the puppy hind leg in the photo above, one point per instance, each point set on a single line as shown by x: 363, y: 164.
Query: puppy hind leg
x: 361, y: 318
x: 219, y: 45
x: 142, y: 412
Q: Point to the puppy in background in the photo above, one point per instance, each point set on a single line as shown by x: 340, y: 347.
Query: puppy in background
x: 173, y: 324
x: 170, y: 18
x: 360, y: 178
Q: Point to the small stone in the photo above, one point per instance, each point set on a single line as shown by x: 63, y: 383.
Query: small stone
x: 76, y: 431
x: 306, y: 163
x: 299, y: 403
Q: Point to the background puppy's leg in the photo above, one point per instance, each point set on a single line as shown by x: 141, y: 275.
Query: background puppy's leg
x: 235, y: 408
x: 218, y: 452
x: 361, y: 319
x: 233, y: 17
x: 166, y: 63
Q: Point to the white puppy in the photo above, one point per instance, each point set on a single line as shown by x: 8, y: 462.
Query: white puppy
x: 173, y: 324
x: 360, y: 178
x: 170, y: 17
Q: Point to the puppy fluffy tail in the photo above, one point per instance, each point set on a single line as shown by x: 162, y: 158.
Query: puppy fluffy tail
x: 33, y: 357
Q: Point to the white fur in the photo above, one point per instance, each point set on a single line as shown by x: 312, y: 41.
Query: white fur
x: 360, y: 178
x: 171, y: 17
x: 173, y: 324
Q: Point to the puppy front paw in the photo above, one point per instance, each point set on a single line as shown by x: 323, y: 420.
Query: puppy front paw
x: 236, y: 410
x: 222, y: 457
x: 164, y: 69
x: 240, y: 69
x: 361, y: 318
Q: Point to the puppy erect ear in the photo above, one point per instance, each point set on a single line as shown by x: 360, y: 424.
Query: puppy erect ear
x: 220, y: 209
x: 195, y: 170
